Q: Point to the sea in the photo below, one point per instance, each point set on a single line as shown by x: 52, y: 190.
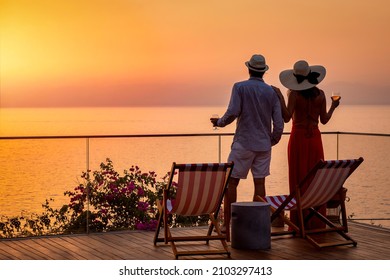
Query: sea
x: 33, y: 170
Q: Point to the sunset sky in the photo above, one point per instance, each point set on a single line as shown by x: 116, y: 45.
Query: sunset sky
x: 174, y: 52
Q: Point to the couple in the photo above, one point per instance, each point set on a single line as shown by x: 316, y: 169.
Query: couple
x: 260, y: 110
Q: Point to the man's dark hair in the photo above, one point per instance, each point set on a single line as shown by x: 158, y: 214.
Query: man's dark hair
x: 256, y: 74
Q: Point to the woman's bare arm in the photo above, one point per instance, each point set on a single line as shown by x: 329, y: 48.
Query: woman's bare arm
x: 326, y: 116
x: 287, y: 110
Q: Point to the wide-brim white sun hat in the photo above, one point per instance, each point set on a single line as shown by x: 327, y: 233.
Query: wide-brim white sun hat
x: 257, y: 63
x: 302, y: 76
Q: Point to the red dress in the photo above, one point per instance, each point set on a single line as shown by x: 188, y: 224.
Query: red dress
x: 305, y: 144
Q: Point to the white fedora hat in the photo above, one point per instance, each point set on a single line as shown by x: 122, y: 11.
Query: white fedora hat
x: 257, y: 63
x: 302, y: 76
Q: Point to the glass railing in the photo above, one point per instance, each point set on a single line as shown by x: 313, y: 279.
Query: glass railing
x: 34, y: 169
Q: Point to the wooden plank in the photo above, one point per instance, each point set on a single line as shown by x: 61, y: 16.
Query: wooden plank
x: 17, y: 252
x: 142, y: 244
x: 4, y: 255
x: 57, y: 252
x: 70, y: 243
x: 40, y: 252
x: 122, y: 251
x: 86, y: 249
x: 373, y: 244
x: 12, y: 254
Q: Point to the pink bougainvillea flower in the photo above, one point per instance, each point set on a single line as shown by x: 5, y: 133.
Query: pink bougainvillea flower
x: 143, y: 206
x: 141, y: 192
x: 130, y: 186
x: 140, y: 226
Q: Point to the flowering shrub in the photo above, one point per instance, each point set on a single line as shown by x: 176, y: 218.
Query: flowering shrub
x: 103, y: 201
x: 49, y: 221
x: 115, y: 201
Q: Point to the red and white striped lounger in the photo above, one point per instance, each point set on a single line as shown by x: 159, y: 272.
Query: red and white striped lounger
x: 324, y: 182
x: 194, y: 190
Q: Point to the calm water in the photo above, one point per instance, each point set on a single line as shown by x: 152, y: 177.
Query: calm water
x: 33, y: 170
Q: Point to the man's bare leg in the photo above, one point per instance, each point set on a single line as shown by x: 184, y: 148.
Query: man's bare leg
x: 229, y: 199
x: 259, y: 188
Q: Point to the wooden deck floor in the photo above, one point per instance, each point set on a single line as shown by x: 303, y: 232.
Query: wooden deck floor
x: 373, y: 244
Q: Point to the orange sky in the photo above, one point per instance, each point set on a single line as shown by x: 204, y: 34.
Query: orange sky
x: 137, y: 53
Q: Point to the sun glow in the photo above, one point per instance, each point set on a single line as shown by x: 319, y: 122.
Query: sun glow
x: 186, y: 50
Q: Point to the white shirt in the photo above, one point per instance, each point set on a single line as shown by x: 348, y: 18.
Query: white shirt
x: 257, y: 109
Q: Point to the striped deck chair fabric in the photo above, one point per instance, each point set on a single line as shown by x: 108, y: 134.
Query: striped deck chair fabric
x: 325, y: 180
x: 198, y: 189
x: 328, y: 180
x: 194, y: 190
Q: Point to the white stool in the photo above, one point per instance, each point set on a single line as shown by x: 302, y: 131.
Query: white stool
x: 251, y: 225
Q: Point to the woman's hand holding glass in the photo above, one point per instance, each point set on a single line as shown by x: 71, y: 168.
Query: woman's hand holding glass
x: 336, y: 96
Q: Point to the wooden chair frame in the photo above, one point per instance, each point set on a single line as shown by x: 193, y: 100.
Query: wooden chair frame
x: 192, y: 187
x: 320, y: 190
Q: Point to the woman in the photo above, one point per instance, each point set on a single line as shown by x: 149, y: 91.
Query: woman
x: 306, y: 106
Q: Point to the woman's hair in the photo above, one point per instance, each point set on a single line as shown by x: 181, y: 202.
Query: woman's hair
x: 256, y: 74
x: 310, y: 93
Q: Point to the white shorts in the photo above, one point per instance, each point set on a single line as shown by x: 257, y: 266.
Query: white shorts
x: 245, y: 160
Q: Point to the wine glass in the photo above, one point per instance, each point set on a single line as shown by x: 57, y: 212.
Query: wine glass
x: 214, y: 117
x: 336, y: 96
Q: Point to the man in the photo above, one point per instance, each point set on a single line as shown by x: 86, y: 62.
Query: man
x: 260, y: 125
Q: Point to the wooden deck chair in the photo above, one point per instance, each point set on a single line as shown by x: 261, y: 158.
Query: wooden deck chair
x: 326, y: 182
x: 199, y: 190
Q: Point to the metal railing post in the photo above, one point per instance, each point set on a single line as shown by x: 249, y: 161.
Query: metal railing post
x: 87, y: 165
x: 337, y: 146
x: 219, y: 148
